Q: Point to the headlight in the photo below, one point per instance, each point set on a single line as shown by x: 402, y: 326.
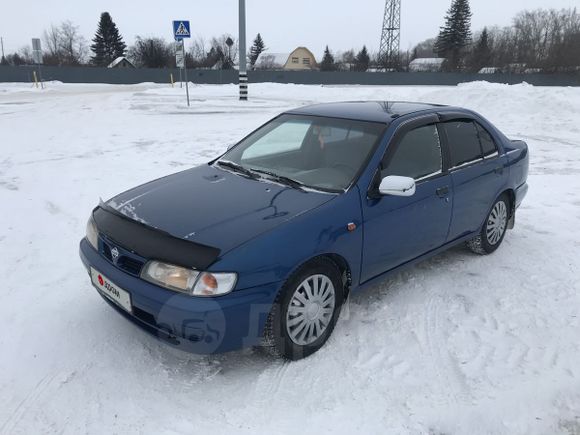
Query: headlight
x: 188, y: 281
x: 172, y: 277
x: 92, y: 234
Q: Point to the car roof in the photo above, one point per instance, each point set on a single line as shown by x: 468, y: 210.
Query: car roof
x: 374, y: 111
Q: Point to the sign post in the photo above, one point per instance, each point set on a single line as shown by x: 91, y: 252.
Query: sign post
x: 181, y: 30
x: 179, y: 60
x: 37, y: 58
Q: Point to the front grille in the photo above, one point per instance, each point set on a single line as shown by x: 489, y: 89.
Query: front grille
x: 107, y: 252
x: 126, y: 261
x: 130, y: 265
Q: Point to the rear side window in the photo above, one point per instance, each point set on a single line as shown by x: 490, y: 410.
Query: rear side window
x: 417, y: 155
x: 463, y: 142
x: 487, y: 144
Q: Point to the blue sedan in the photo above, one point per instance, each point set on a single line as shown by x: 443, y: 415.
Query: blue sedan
x: 262, y: 246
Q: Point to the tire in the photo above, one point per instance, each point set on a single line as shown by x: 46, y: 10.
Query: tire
x: 494, y: 228
x: 300, y: 321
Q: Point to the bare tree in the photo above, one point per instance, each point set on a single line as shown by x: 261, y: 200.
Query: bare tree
x: 64, y: 45
x: 198, y: 53
x: 26, y: 54
x: 52, y: 52
x: 152, y: 53
x: 226, y: 55
x: 563, y: 41
x: 546, y: 39
x: 267, y: 62
x: 346, y: 61
x: 73, y: 45
x: 22, y: 57
x: 405, y: 58
x: 425, y: 48
x: 503, y: 47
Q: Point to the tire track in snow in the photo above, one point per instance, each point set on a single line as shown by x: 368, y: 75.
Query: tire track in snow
x: 268, y: 383
x: 27, y: 403
x: 450, y: 377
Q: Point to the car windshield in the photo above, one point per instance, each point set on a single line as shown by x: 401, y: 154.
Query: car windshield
x: 317, y: 152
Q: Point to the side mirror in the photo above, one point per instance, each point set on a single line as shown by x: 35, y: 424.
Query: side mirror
x: 397, y: 186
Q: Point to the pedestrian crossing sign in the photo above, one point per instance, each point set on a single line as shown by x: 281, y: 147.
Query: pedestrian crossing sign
x: 181, y: 29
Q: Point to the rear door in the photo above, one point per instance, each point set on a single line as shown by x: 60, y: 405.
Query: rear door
x: 399, y: 229
x: 477, y: 173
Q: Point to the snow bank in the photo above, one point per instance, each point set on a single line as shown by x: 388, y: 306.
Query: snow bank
x: 459, y: 344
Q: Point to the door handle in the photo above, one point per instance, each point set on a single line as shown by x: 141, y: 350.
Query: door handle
x: 498, y: 170
x: 442, y: 191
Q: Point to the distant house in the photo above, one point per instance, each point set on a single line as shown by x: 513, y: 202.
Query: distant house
x: 300, y: 59
x: 121, y: 62
x: 516, y: 68
x: 489, y: 70
x: 426, y: 64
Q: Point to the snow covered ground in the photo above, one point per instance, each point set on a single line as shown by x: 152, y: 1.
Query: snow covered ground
x: 460, y: 344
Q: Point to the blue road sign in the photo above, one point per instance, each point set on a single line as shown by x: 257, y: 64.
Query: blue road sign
x: 181, y: 29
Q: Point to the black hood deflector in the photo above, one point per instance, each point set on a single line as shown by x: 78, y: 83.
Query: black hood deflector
x: 152, y: 243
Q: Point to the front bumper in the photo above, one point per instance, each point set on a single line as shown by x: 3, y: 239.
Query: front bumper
x: 193, y: 324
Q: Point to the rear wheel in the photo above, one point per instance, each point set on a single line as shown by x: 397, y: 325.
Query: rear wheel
x: 494, y: 229
x: 306, y: 311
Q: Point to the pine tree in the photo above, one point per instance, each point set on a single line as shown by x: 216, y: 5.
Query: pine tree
x: 108, y: 43
x: 483, y: 49
x: 481, y: 54
x: 257, y: 48
x: 455, y: 36
x: 327, y: 63
x: 362, y: 60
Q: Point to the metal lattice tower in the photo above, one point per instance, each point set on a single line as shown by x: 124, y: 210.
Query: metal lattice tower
x: 391, y: 35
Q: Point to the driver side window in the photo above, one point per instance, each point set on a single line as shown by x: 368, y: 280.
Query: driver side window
x: 417, y: 155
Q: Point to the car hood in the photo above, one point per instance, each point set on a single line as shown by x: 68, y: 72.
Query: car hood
x: 214, y: 206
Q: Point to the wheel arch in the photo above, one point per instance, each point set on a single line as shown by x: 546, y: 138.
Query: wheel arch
x: 338, y: 260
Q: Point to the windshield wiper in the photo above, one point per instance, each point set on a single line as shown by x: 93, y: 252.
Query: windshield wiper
x: 236, y: 167
x: 281, y: 178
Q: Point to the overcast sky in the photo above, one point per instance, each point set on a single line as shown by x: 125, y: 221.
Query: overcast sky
x: 284, y: 25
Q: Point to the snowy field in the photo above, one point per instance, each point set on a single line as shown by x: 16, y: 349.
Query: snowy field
x: 460, y: 344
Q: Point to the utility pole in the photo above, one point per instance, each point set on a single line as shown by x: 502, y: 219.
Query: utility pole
x: 2, y: 43
x: 242, y: 42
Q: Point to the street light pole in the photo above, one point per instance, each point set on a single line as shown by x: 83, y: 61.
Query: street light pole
x: 242, y: 43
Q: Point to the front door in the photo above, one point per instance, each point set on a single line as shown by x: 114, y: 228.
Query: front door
x: 399, y: 229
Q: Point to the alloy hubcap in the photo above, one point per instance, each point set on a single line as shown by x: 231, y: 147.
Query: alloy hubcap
x: 310, y: 310
x: 496, y: 223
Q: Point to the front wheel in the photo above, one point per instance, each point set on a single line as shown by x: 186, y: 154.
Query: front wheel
x: 494, y: 229
x: 306, y: 310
